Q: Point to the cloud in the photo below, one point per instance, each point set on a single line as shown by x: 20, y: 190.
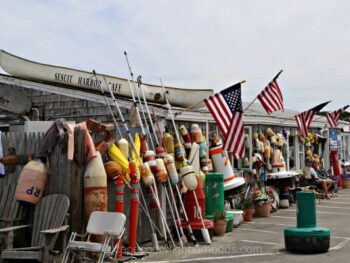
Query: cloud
x: 198, y: 43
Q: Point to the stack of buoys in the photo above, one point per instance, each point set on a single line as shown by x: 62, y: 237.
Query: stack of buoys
x: 31, y: 182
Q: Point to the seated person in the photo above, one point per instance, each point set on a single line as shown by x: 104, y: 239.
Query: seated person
x: 311, y: 174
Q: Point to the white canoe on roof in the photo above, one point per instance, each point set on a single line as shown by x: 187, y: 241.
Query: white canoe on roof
x: 30, y: 70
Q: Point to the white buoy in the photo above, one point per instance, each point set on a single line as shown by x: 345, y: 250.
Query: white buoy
x: 170, y: 166
x: 189, y: 177
x: 123, y: 145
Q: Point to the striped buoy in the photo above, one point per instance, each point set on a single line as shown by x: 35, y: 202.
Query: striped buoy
x: 123, y: 146
x: 186, y: 137
x: 150, y: 158
x: 180, y: 154
x: 189, y: 177
x: 170, y: 166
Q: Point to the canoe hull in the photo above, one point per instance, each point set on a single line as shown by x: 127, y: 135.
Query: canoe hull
x: 26, y: 69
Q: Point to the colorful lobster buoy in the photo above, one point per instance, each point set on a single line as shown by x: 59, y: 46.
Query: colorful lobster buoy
x: 150, y: 158
x: 95, y: 187
x: 161, y: 174
x: 31, y: 182
x: 186, y: 137
x: 169, y: 142
x: 160, y: 151
x: 113, y: 170
x: 196, y: 134
x: 171, y: 168
x: 189, y: 177
x: 147, y: 175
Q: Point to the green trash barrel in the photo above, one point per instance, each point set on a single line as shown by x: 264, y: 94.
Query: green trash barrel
x: 306, y: 209
x: 214, y: 193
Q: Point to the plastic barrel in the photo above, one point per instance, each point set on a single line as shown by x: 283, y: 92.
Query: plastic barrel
x: 214, y: 191
x: 306, y: 209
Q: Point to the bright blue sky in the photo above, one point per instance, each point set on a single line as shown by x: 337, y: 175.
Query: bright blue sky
x: 194, y: 43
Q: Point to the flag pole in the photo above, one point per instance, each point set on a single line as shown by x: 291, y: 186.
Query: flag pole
x: 250, y: 104
x: 199, y: 102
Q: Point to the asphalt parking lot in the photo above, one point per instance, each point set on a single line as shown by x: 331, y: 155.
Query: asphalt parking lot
x: 263, y: 239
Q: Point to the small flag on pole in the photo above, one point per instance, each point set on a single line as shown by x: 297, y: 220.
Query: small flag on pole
x: 226, y: 108
x: 271, y: 97
x: 333, y: 117
x: 305, y: 118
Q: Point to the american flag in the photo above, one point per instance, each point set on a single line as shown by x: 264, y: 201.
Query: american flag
x: 226, y: 108
x: 305, y: 118
x: 333, y: 117
x: 271, y: 97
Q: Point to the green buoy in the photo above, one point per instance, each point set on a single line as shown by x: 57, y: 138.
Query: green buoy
x: 306, y: 237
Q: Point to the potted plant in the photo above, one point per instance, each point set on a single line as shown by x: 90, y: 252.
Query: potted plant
x: 262, y: 203
x: 248, y: 209
x: 220, y: 223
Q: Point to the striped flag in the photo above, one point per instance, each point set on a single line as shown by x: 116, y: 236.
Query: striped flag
x: 271, y: 97
x: 333, y: 117
x: 226, y: 108
x: 305, y: 118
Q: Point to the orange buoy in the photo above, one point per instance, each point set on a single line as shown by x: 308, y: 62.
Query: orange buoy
x: 160, y: 151
x: 31, y: 182
x: 12, y: 160
x: 113, y: 170
x: 146, y: 174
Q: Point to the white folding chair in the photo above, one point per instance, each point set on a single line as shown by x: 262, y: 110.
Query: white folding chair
x: 107, y: 224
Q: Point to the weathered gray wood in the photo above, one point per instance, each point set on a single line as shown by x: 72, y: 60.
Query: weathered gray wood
x: 49, y: 213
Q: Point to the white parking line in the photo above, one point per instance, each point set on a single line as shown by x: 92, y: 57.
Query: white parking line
x: 335, y: 207
x: 287, y: 217
x: 259, y: 242
x: 321, y: 212
x: 259, y: 230
x: 340, y: 245
x: 213, y: 258
x: 335, y: 202
x: 275, y: 224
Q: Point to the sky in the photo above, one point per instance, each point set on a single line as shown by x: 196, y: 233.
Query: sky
x: 193, y: 43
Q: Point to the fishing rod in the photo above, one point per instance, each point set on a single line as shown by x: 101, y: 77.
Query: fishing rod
x: 179, y: 229
x: 154, y: 236
x: 154, y: 188
x: 188, y: 173
x: 109, y: 106
x: 151, y: 140
x: 138, y: 95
